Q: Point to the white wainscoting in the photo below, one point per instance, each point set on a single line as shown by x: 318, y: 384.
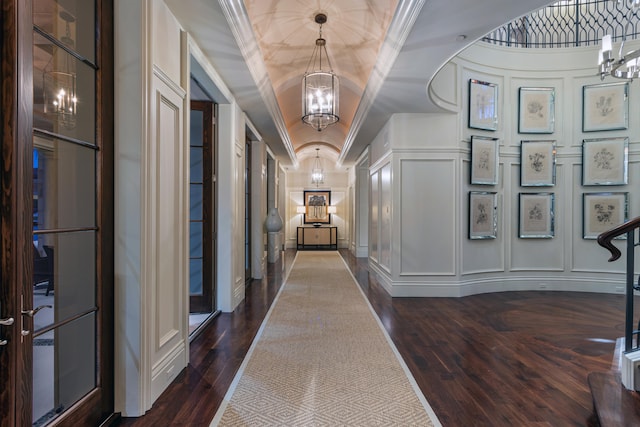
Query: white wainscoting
x: 165, y: 256
x: 428, y: 231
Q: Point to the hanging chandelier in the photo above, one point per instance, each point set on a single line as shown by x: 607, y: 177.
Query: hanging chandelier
x: 59, y: 83
x: 320, y: 88
x: 317, y: 175
x: 627, y: 67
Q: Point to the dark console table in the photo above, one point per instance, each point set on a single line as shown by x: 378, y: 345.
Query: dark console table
x: 317, y: 238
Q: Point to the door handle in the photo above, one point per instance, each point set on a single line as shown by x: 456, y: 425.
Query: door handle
x: 31, y: 313
x: 34, y: 311
x: 6, y: 322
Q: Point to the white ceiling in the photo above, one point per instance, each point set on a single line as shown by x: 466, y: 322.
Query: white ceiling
x: 384, y: 51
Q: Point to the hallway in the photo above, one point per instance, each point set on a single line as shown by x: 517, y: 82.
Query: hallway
x: 502, y: 359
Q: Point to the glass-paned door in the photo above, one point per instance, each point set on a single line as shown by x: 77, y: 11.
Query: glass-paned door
x: 59, y: 217
x: 202, y: 210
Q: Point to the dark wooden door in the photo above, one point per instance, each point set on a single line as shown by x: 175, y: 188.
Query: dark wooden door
x: 202, y: 218
x: 56, y: 278
x: 15, y: 265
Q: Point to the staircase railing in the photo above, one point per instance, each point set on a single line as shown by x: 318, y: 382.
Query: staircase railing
x: 605, y: 240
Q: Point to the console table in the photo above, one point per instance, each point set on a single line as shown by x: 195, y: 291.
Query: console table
x: 317, y: 238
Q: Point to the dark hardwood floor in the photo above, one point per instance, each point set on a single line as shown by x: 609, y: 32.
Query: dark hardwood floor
x: 501, y: 359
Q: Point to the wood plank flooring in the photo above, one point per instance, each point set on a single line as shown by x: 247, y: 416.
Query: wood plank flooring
x: 501, y: 359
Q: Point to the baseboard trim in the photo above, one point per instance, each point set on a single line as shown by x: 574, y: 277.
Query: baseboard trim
x: 456, y: 289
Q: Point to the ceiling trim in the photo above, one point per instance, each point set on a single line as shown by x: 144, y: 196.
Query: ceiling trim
x: 240, y: 26
x: 401, y: 24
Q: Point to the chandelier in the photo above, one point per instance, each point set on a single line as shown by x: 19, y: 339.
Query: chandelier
x: 317, y: 175
x: 60, y: 96
x: 627, y: 67
x: 320, y: 88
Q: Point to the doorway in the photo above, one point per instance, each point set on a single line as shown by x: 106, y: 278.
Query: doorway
x: 202, y: 216
x: 56, y: 287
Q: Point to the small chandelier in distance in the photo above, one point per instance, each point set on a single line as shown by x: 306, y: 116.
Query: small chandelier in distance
x: 317, y: 175
x: 628, y: 66
x: 320, y: 88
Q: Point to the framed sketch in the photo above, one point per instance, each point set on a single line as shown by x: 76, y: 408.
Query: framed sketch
x: 484, y: 160
x: 483, y: 215
x: 536, y: 110
x: 317, y: 204
x: 536, y: 219
x: 483, y: 105
x: 605, y: 161
x: 602, y: 212
x: 537, y: 163
x: 605, y: 107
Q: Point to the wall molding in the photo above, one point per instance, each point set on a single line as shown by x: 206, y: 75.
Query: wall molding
x: 464, y: 288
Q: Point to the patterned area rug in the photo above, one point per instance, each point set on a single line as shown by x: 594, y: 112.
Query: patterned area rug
x: 322, y: 358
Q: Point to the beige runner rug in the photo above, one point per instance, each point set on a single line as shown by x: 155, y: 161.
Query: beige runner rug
x: 322, y: 357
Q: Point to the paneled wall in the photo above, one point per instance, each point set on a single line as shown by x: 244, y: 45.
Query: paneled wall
x: 430, y: 169
x: 152, y: 201
x: 151, y: 206
x: 359, y: 218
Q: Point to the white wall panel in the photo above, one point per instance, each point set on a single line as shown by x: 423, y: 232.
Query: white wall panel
x: 151, y: 205
x: 259, y: 207
x: 538, y: 254
x: 340, y: 218
x: 294, y: 219
x: 380, y: 146
x: 385, y: 216
x: 587, y: 255
x: 166, y: 257
x: 416, y: 133
x: 428, y: 231
x: 166, y: 40
x: 362, y: 210
x: 483, y: 255
x: 374, y: 216
x: 167, y: 212
x: 239, y: 229
x: 130, y: 132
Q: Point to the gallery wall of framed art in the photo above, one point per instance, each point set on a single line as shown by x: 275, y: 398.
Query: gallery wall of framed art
x: 596, y: 145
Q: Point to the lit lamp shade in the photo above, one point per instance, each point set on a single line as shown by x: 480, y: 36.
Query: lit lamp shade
x: 301, y: 209
x: 332, y: 209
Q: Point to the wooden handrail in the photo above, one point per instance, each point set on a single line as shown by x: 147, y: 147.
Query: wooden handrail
x: 605, y: 238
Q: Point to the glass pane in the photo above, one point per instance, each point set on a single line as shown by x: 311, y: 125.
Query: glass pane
x: 63, y: 185
x: 64, y: 276
x: 63, y: 92
x: 195, y: 212
x: 195, y: 240
x: 195, y: 277
x: 71, y: 22
x: 64, y: 367
x: 196, y: 128
x: 196, y: 165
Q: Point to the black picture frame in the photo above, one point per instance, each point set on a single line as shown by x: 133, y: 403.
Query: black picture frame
x: 316, y: 203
